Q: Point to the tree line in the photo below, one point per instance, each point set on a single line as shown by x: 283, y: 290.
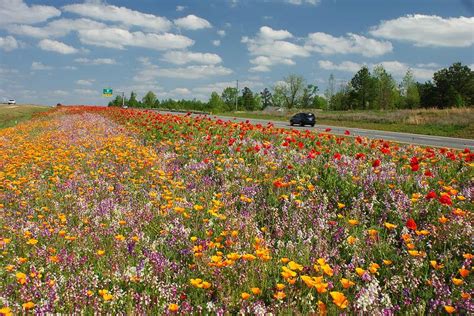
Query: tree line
x: 376, y: 90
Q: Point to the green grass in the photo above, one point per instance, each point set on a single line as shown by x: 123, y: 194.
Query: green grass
x: 448, y: 122
x: 11, y: 115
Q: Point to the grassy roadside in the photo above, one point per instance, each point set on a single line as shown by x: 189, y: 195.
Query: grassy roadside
x: 448, y: 122
x: 10, y: 115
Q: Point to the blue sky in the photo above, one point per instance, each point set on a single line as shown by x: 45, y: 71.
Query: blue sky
x: 68, y: 51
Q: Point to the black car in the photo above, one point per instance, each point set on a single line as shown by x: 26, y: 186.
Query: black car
x: 303, y: 119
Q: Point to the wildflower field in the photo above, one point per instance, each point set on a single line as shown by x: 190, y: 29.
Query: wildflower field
x: 118, y: 211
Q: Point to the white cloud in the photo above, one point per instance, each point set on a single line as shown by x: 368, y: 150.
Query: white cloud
x: 347, y: 66
x: 96, y: 61
x: 272, y: 48
x: 87, y: 92
x: 396, y: 68
x: 85, y: 82
x: 150, y: 72
x: 121, y: 15
x: 351, y: 44
x: 192, y: 22
x: 180, y: 91
x: 37, y: 65
x: 180, y: 8
x: 428, y: 30
x: 263, y: 63
x: 56, y: 46
x: 183, y: 57
x: 8, y: 43
x: 60, y: 93
x: 119, y: 38
x: 220, y: 86
x: 300, y: 2
x: 221, y: 33
x: 16, y: 11
x: 56, y: 28
x: 216, y: 42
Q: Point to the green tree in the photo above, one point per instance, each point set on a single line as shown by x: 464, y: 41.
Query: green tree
x: 330, y: 90
x: 230, y: 96
x: 363, y: 89
x: 307, y: 97
x: 248, y: 101
x: 149, y: 99
x: 132, y: 102
x: 290, y: 90
x: 386, y: 93
x: 454, y: 85
x: 428, y: 94
x: 266, y: 97
x: 410, y: 96
x: 216, y: 103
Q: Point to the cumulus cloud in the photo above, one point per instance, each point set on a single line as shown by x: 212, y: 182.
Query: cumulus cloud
x: 184, y: 57
x: 56, y: 28
x: 216, y: 42
x: 123, y: 15
x: 150, y: 72
x: 37, y: 65
x: 221, y: 33
x: 89, y: 92
x: 18, y: 12
x: 263, y: 63
x: 119, y: 38
x: 96, y: 61
x: 220, y: 86
x: 192, y: 22
x: 396, y: 68
x: 300, y: 2
x: 428, y: 30
x: 351, y: 44
x: 85, y: 82
x: 180, y: 91
x: 57, y: 47
x: 8, y: 43
x: 272, y: 47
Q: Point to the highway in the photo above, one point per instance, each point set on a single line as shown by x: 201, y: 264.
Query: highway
x: 406, y: 138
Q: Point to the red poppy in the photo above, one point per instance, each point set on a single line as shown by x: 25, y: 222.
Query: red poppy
x: 428, y: 173
x: 445, y: 199
x: 347, y: 132
x: 431, y: 195
x: 327, y: 129
x: 411, y: 224
x: 415, y: 167
x: 376, y: 163
x: 337, y: 156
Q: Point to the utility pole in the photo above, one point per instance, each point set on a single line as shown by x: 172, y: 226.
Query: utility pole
x: 123, y: 99
x: 237, y: 95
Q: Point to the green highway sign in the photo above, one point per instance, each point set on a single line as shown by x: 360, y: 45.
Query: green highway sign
x: 107, y: 92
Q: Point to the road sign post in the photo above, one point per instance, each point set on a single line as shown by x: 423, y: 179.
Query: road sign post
x: 107, y: 92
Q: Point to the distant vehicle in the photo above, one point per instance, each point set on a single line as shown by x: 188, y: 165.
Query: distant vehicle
x: 303, y: 119
x: 11, y: 101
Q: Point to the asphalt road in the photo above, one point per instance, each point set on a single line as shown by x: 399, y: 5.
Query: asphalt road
x: 416, y: 139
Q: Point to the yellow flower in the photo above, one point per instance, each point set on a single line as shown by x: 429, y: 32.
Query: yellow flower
x: 206, y: 285
x: 347, y: 283
x: 390, y: 226
x: 374, y: 267
x: 280, y: 286
x: 100, y: 252
x: 457, y: 281
x: 28, y: 305
x: 193, y: 238
x: 21, y: 277
x: 32, y: 241
x: 322, y: 308
x: 107, y: 297
x: 6, y: 311
x: 449, y: 309
x: 120, y: 237
x: 387, y: 262
x: 233, y: 256
x: 279, y: 295
x: 353, y: 222
x: 244, y: 295
x: 339, y: 299
x: 435, y: 265
x: 340, y: 205
x: 351, y: 240
x: 295, y: 266
x: 360, y: 271
x: 256, y: 291
x: 173, y: 308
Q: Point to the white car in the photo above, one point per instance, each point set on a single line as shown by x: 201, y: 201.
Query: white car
x: 11, y: 101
